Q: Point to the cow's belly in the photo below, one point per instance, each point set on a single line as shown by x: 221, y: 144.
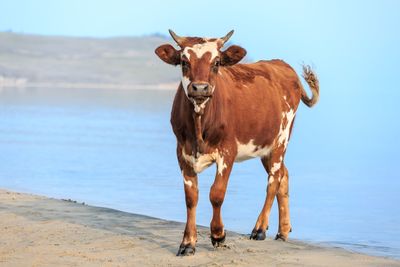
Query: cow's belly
x: 250, y: 150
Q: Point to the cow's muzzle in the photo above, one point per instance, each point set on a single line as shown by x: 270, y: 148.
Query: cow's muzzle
x: 199, y: 92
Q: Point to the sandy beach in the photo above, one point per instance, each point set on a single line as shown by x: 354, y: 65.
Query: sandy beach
x: 39, y: 231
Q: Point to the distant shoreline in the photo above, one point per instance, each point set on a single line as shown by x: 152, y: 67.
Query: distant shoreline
x: 42, y: 231
x: 29, y: 60
x: 66, y: 85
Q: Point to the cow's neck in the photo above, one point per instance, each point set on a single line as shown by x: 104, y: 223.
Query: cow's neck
x: 209, y: 124
x: 198, y: 130
x: 200, y: 133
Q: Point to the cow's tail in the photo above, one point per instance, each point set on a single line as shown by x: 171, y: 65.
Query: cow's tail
x: 313, y: 83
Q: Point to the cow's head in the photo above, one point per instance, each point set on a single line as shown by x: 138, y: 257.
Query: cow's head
x: 200, y: 59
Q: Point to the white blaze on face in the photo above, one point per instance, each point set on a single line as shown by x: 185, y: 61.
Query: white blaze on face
x: 200, y: 49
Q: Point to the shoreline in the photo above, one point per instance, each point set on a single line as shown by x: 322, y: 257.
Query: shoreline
x: 106, y: 86
x: 41, y: 231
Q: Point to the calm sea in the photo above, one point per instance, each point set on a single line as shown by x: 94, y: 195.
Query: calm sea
x: 115, y: 148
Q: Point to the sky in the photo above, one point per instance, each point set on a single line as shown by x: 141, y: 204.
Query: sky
x: 277, y: 25
x: 352, y: 45
x: 365, y: 32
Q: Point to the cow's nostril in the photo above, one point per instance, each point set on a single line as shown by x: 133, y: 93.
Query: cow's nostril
x: 201, y: 87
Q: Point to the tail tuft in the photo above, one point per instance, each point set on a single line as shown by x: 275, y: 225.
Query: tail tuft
x: 313, y: 83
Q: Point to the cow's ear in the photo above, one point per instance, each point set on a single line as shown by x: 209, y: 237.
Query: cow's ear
x: 232, y: 55
x: 168, y: 54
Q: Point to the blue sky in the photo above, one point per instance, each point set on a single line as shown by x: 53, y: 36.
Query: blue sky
x: 277, y: 25
x: 354, y: 46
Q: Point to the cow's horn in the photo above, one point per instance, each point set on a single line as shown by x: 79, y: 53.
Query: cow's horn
x: 177, y: 38
x: 226, y: 37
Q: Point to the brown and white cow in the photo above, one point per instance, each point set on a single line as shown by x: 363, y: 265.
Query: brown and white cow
x: 224, y: 112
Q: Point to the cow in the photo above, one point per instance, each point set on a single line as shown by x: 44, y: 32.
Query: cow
x: 224, y: 112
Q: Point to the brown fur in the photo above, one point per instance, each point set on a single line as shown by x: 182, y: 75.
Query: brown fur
x: 247, y: 104
x: 267, y: 82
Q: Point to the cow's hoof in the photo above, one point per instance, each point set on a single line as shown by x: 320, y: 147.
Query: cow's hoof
x: 218, y: 242
x: 258, y: 234
x: 186, y: 250
x: 280, y: 237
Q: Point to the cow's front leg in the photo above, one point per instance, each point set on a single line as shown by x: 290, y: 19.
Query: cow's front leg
x: 217, y: 195
x: 189, y: 240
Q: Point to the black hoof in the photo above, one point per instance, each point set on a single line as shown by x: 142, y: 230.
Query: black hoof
x: 280, y: 237
x: 258, y: 234
x: 186, y: 250
x: 218, y: 242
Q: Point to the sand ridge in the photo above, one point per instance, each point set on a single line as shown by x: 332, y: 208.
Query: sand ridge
x: 39, y: 231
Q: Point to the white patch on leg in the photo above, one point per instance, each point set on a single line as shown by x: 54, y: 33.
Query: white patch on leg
x: 221, y: 165
x: 276, y: 167
x: 271, y: 179
x: 203, y: 161
x: 187, y: 182
x: 250, y: 150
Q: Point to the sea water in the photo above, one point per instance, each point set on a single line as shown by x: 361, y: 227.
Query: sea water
x: 115, y: 148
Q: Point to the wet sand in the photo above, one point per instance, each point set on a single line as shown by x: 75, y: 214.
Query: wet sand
x: 39, y: 231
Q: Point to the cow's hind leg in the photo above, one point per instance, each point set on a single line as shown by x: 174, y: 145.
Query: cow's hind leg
x: 261, y: 226
x: 283, y: 205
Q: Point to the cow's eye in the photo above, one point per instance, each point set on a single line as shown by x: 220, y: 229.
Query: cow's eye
x: 216, y: 65
x: 185, y: 64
